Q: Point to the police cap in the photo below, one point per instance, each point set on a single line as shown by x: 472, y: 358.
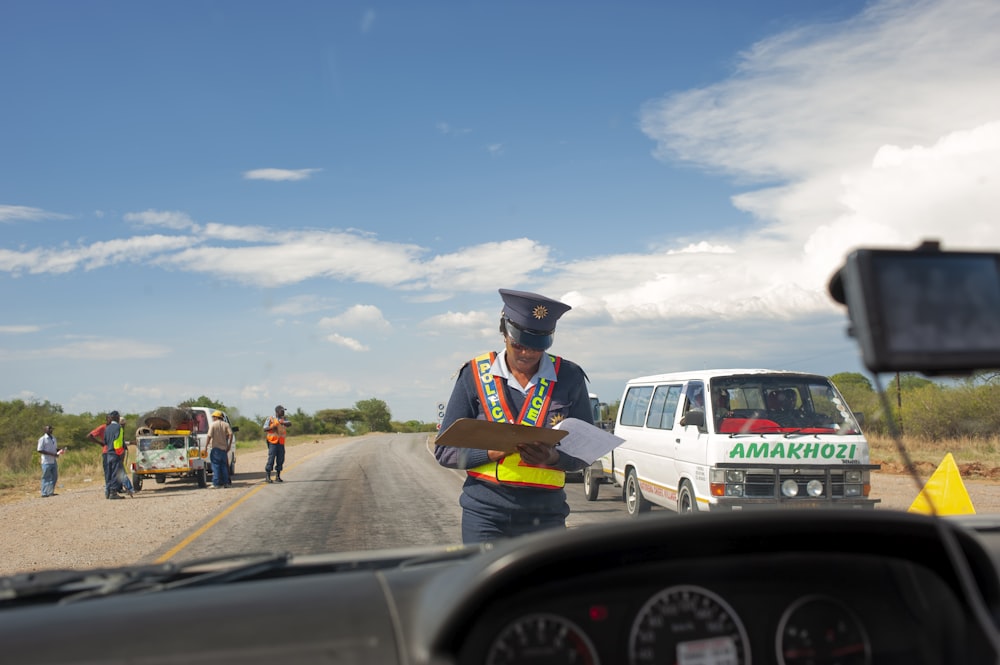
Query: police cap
x: 529, y: 318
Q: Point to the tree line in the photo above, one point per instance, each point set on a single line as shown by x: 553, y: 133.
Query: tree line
x: 21, y: 424
x: 919, y: 407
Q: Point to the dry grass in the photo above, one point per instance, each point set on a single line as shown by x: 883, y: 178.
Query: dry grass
x: 21, y: 475
x: 976, y: 458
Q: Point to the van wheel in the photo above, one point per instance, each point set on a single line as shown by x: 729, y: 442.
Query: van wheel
x: 590, y: 486
x: 635, y: 505
x: 232, y: 469
x: 137, y: 482
x: 160, y: 478
x: 202, y: 478
x: 686, y: 503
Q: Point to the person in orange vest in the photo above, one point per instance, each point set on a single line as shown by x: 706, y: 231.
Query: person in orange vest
x: 511, y: 495
x: 275, y: 428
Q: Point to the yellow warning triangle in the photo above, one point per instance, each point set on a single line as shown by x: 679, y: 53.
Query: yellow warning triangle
x: 946, y: 490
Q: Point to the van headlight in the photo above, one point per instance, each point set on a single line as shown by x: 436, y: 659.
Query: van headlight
x: 814, y: 488
x: 727, y: 482
x: 853, y: 476
x: 790, y: 488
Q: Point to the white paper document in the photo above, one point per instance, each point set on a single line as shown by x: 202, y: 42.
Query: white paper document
x: 585, y: 441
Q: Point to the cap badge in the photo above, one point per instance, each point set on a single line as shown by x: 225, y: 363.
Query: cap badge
x: 540, y: 312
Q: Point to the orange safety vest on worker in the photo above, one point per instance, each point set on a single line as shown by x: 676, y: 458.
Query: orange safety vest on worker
x: 276, y: 435
x: 511, y: 469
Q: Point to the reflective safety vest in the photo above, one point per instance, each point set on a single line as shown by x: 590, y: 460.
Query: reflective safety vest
x: 119, y: 441
x: 511, y: 469
x: 276, y: 435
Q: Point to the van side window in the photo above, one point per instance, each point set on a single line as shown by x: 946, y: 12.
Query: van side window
x: 694, y: 400
x: 663, y: 407
x: 635, y: 404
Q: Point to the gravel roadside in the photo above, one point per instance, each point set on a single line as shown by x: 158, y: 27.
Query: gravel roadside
x: 78, y: 528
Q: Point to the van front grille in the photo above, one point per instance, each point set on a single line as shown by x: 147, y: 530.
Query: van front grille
x: 766, y: 483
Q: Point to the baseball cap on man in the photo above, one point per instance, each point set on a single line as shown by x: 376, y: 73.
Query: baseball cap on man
x: 529, y: 319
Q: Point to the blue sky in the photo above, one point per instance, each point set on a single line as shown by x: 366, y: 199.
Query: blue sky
x: 314, y: 203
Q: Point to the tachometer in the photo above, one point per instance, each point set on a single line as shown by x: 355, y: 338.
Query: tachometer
x: 542, y: 638
x: 817, y: 630
x: 688, y: 625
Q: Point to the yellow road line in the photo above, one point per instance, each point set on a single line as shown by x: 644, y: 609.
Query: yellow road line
x: 215, y: 520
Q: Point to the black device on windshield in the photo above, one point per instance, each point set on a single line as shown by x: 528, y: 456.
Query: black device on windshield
x: 922, y: 310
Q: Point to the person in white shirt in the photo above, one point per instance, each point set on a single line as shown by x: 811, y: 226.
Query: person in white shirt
x: 49, y: 451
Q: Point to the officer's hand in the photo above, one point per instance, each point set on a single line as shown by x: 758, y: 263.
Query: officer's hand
x: 496, y: 455
x: 538, y: 454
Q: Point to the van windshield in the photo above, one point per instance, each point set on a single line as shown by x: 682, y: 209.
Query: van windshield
x: 761, y: 404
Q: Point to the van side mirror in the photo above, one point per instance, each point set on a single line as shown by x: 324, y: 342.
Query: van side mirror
x: 235, y: 429
x: 694, y: 417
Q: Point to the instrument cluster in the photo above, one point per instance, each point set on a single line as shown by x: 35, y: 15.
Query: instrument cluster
x: 848, y: 610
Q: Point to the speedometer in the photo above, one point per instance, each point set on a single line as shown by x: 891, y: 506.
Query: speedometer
x: 542, y: 638
x: 817, y: 630
x: 688, y: 625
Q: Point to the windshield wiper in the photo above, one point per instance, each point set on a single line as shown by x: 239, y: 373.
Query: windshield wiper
x: 177, y: 576
x: 69, y: 586
x: 798, y: 432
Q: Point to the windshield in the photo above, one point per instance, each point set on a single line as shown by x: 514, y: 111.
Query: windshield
x: 760, y: 404
x: 320, y: 219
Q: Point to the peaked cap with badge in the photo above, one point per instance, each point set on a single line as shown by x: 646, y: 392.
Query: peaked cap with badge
x: 529, y: 319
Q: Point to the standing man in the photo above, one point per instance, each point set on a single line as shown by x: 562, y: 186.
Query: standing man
x: 114, y: 442
x: 49, y: 451
x: 510, y: 495
x: 219, y: 440
x: 275, y: 430
x: 97, y: 436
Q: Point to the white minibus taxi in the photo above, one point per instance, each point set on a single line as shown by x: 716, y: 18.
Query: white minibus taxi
x: 735, y: 439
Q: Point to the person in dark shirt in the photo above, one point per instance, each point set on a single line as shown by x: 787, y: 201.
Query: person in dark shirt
x: 510, y: 495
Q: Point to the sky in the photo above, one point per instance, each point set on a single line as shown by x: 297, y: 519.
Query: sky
x: 314, y: 203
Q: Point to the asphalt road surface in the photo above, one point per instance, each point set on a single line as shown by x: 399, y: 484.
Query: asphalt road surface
x: 374, y: 492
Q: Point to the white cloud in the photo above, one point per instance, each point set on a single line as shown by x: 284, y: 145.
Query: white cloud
x: 177, y: 221
x: 278, y: 175
x: 364, y: 317
x: 475, y: 325
x: 19, y: 330
x: 25, y: 213
x: 880, y: 130
x: 294, y: 257
x: 495, y: 149
x: 106, y: 349
x: 346, y: 342
x: 463, y: 270
x: 298, y: 305
x: 89, y: 257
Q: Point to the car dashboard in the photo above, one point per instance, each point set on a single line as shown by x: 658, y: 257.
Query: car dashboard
x: 792, y: 587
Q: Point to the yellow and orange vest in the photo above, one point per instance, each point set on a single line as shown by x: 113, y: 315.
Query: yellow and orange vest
x: 511, y: 469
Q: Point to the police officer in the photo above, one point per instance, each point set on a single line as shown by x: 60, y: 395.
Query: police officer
x: 510, y: 495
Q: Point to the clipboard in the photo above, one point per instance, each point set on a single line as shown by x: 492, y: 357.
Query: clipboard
x: 488, y: 435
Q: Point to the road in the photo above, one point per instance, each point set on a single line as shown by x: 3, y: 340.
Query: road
x: 385, y: 491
